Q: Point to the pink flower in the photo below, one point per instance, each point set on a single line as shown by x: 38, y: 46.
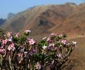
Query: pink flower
x: 31, y: 42
x: 4, y: 41
x: 59, y: 56
x: 44, y: 38
x: 13, y: 48
x: 27, y: 31
x: 51, y: 44
x: 17, y: 35
x: 25, y: 52
x: 19, y: 54
x: 48, y: 39
x: 10, y: 38
x: 63, y: 41
x: 53, y: 34
x: 73, y: 42
x: 9, y: 34
x: 12, y: 45
x: 60, y: 35
x: 52, y: 62
x: 44, y: 47
x: 9, y: 48
x: 1, y: 50
x: 38, y: 66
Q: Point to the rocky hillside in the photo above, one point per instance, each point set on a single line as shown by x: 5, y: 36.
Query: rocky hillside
x: 66, y: 18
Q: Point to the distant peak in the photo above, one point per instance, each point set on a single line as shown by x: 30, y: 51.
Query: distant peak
x: 70, y: 3
x: 10, y: 15
x: 82, y: 3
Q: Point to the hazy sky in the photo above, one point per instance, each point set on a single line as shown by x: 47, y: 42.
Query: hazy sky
x: 15, y: 6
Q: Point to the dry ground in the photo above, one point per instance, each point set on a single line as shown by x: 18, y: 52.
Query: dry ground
x: 78, y: 55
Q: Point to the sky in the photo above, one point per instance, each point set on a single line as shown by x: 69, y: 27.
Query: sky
x: 15, y: 6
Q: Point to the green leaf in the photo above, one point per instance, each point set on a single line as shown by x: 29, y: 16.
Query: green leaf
x: 15, y: 39
x: 23, y: 39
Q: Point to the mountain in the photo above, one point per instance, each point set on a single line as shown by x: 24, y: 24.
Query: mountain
x: 66, y: 18
x: 2, y: 21
x: 10, y: 15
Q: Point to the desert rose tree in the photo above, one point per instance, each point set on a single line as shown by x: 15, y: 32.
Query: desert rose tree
x: 51, y: 52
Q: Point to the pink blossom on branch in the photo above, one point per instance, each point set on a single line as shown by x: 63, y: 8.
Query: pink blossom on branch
x: 73, y: 42
x: 38, y: 66
x: 4, y: 41
x: 44, y: 47
x: 44, y: 38
x: 27, y: 31
x: 9, y: 34
x: 19, y: 54
x: 31, y: 41
x: 59, y: 55
x: 9, y: 39
x: 17, y: 35
x: 61, y: 35
x: 12, y: 45
x: 48, y: 39
x: 51, y: 44
x: 63, y: 41
x: 53, y: 34
x: 9, y: 48
x: 1, y: 50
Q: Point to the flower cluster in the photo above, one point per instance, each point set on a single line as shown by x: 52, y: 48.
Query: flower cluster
x: 25, y: 53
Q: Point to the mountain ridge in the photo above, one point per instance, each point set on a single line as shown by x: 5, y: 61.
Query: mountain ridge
x: 64, y: 18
